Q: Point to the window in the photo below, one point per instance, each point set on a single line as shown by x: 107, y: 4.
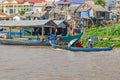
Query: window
x: 12, y: 11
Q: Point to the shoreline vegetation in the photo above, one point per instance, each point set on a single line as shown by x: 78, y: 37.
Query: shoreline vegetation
x: 104, y: 36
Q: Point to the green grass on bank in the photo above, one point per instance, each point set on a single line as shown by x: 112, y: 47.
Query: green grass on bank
x: 110, y: 32
x: 104, y: 32
x: 105, y: 43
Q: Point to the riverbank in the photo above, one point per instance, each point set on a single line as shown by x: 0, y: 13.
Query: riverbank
x: 104, y: 43
x: 31, y: 63
x: 104, y: 36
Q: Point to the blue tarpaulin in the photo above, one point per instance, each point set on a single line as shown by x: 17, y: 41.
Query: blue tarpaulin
x: 84, y: 14
x: 75, y: 1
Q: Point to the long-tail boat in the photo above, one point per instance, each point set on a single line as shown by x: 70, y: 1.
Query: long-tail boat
x: 68, y: 47
x: 35, y: 42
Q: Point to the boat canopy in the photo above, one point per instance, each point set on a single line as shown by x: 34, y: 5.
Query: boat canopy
x: 26, y: 23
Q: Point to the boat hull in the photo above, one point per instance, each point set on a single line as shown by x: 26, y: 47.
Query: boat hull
x: 89, y: 49
x: 25, y: 42
x: 36, y: 42
x: 82, y: 49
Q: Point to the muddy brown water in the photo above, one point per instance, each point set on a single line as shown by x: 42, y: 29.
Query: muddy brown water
x: 46, y: 63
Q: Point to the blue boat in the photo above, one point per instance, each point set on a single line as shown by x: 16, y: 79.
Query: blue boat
x: 35, y: 42
x: 40, y: 26
x: 68, y: 47
x: 24, y: 42
x: 85, y: 49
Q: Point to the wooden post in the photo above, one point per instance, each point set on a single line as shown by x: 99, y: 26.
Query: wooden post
x: 87, y: 23
x: 20, y: 32
x: 42, y: 30
x: 10, y: 33
x: 50, y: 30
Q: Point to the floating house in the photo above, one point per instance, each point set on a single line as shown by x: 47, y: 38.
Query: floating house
x: 30, y: 28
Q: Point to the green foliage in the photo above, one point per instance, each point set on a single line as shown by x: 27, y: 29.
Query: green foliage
x: 21, y: 12
x: 104, y: 32
x: 109, y: 32
x: 100, y: 2
x: 104, y: 43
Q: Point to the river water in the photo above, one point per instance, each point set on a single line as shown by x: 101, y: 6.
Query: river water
x: 46, y: 63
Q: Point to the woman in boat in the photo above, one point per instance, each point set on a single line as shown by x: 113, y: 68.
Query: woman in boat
x: 59, y: 41
x: 90, y: 43
x: 52, y: 38
x: 79, y: 44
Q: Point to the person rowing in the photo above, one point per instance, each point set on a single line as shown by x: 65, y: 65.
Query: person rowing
x: 90, y: 42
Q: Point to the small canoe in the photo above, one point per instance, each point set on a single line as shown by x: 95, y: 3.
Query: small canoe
x: 24, y: 42
x: 82, y: 49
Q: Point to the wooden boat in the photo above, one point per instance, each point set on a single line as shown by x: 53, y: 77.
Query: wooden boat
x: 40, y: 24
x: 84, y: 49
x: 68, y: 47
x: 24, y: 42
x: 63, y: 38
x: 20, y: 41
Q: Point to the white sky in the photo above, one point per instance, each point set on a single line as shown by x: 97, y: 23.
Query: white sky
x: 0, y: 0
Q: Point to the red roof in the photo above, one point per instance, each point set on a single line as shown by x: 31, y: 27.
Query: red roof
x: 35, y: 1
x: 31, y: 1
x: 20, y: 1
x: 9, y: 0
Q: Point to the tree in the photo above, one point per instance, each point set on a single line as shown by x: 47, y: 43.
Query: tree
x: 100, y: 2
x: 21, y: 12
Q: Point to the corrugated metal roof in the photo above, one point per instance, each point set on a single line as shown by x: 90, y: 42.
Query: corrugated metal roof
x: 77, y: 1
x: 94, y: 7
x: 58, y: 22
x: 25, y: 23
x: 99, y: 8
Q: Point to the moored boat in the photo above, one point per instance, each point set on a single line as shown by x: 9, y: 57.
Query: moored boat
x: 84, y: 49
x: 24, y: 42
x: 39, y: 29
x: 68, y: 47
